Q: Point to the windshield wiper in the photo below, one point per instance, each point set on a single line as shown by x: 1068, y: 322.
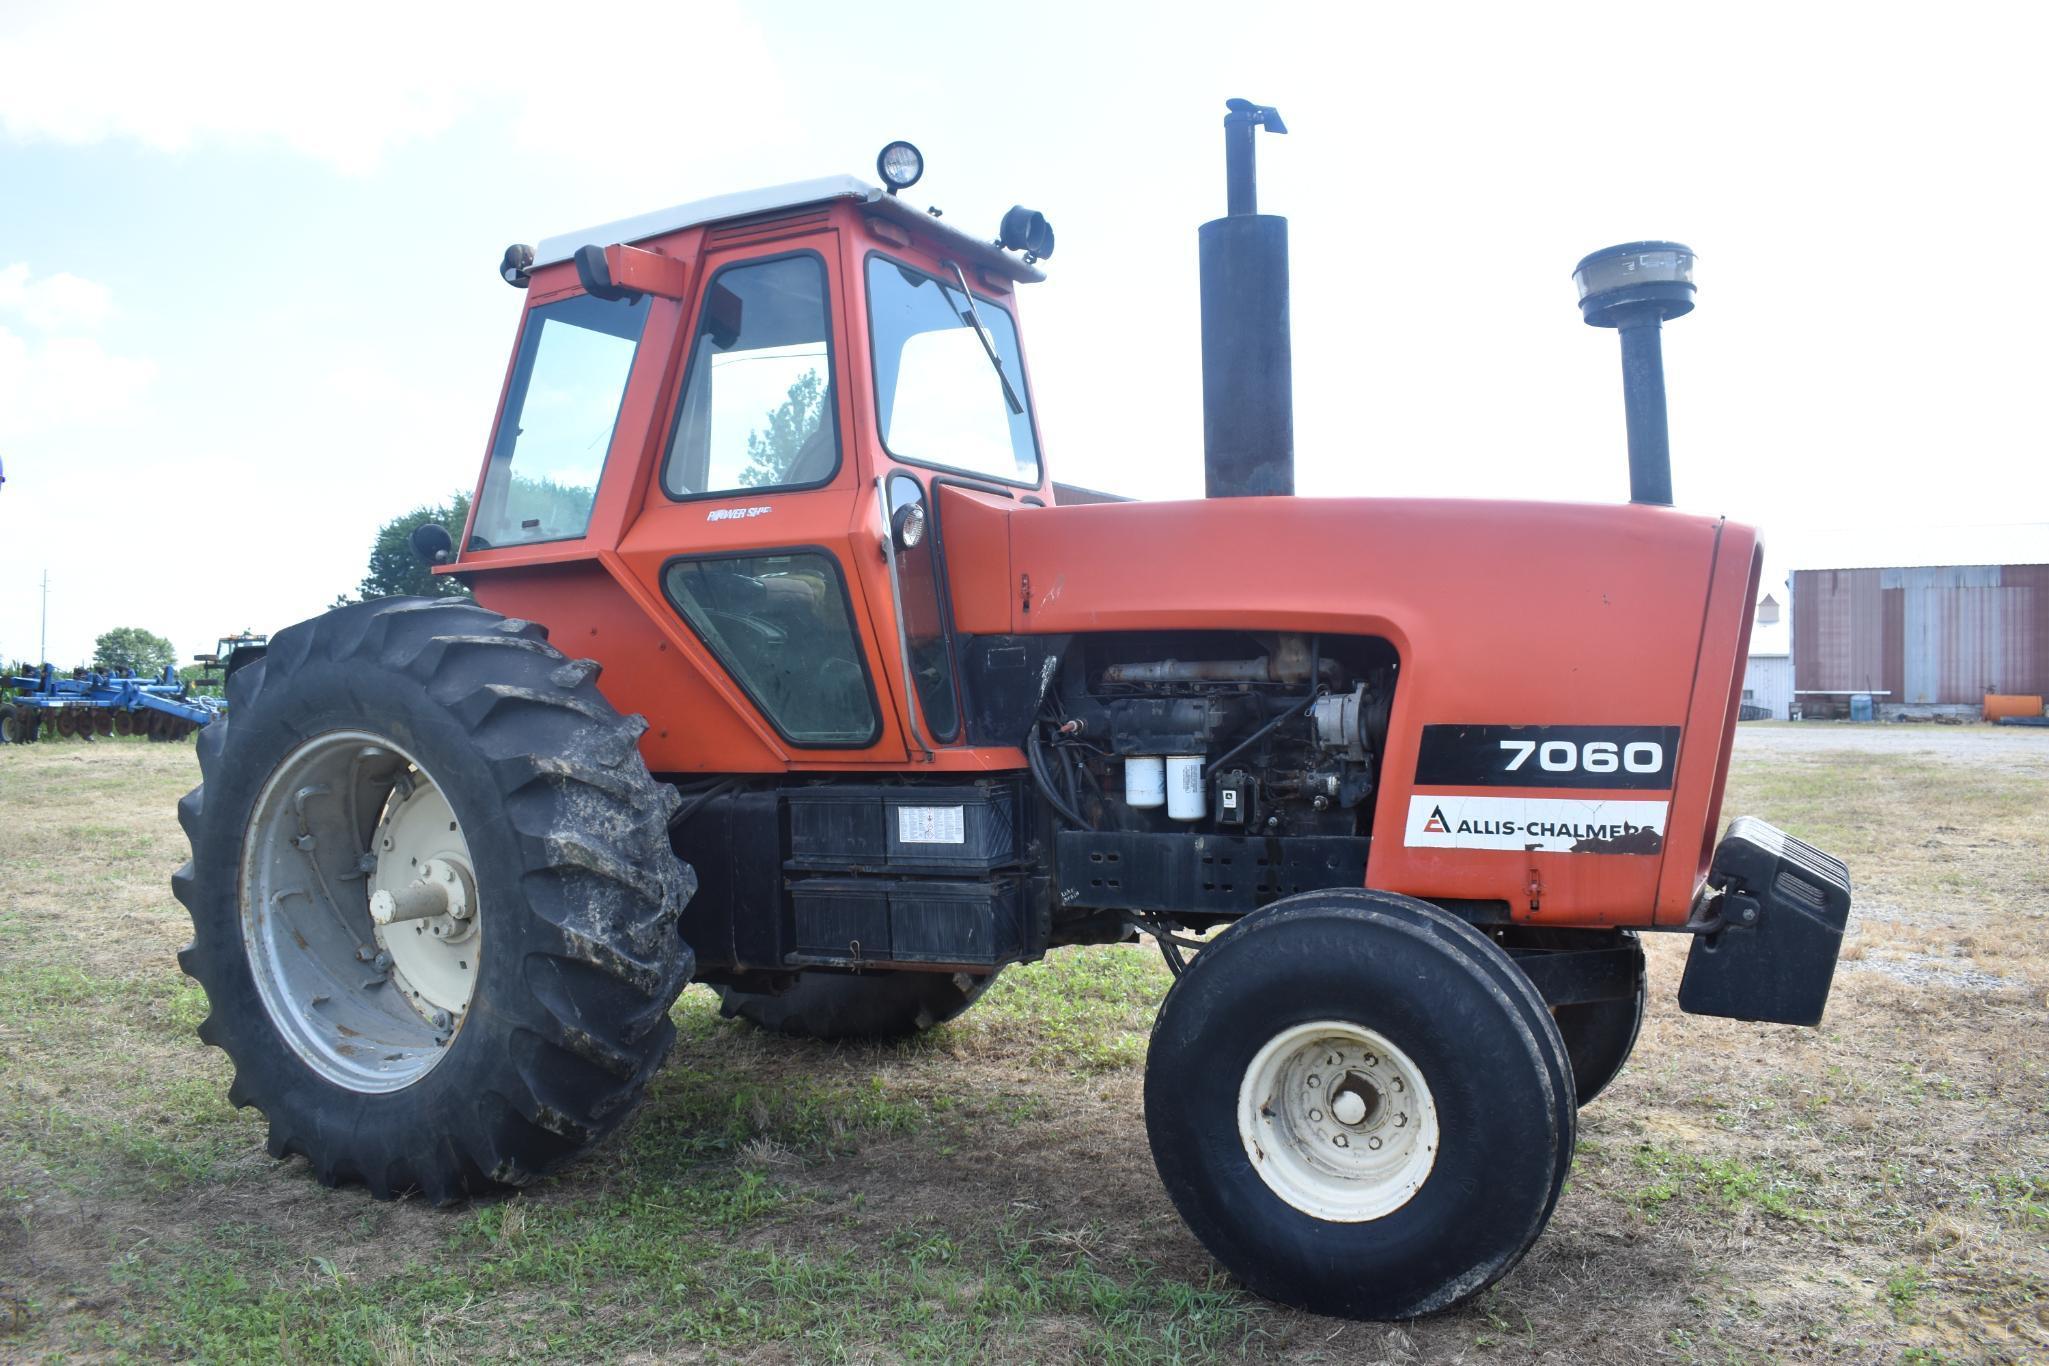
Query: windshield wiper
x: 973, y: 318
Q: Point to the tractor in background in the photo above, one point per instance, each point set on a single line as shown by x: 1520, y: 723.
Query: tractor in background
x: 228, y: 654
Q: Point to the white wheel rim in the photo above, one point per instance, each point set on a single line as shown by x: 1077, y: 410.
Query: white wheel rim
x: 347, y: 815
x: 1338, y: 1121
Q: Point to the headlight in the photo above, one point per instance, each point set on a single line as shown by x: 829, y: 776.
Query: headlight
x: 900, y: 166
x: 908, y: 525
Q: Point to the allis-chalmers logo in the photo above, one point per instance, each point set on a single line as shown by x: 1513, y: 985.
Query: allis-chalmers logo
x: 1555, y: 825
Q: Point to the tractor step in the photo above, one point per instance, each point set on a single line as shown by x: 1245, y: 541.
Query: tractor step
x: 845, y: 922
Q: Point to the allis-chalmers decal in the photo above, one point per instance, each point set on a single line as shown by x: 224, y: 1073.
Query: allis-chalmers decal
x: 1613, y: 758
x: 1550, y: 825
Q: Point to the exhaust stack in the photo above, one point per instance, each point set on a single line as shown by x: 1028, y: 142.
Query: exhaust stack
x: 1248, y: 413
x: 1634, y: 288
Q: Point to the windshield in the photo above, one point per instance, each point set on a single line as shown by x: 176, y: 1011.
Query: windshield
x: 567, y: 384
x: 938, y: 399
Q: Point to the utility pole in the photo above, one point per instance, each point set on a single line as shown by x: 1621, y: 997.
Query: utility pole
x: 43, y: 646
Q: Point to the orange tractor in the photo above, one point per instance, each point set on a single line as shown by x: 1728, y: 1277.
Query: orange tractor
x: 1394, y: 785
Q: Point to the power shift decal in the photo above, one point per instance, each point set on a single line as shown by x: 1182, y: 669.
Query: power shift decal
x: 1550, y: 825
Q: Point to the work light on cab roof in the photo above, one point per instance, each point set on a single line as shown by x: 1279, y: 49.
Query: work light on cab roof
x: 900, y: 165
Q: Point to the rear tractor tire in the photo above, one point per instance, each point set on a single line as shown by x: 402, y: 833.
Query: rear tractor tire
x: 1360, y: 1105
x: 838, y: 1005
x: 434, y: 906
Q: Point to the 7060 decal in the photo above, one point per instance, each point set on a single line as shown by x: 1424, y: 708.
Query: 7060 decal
x: 1597, y: 756
x: 1627, y: 757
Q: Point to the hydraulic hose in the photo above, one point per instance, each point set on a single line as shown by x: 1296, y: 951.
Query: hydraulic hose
x: 1035, y: 759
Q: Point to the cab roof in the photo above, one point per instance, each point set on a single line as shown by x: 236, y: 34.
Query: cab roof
x: 775, y: 198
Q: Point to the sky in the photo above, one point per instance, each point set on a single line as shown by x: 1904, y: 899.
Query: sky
x: 249, y: 305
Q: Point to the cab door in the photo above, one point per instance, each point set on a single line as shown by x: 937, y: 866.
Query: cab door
x: 947, y: 405
x: 749, y: 530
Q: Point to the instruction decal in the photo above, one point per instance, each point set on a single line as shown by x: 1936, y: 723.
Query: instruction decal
x: 931, y: 825
x: 1547, y: 825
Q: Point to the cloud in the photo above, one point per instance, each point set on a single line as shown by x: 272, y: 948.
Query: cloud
x: 59, y: 379
x: 56, y: 303
x: 347, y: 88
x: 63, y: 382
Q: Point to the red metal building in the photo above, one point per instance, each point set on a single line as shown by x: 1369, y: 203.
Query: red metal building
x: 1921, y: 638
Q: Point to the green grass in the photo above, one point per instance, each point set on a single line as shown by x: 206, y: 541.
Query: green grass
x: 1875, y: 1190
x: 1903, y: 1291
x: 2022, y: 1200
x: 1087, y: 1012
x: 624, y: 1274
x: 698, y: 1224
x: 1726, y: 1183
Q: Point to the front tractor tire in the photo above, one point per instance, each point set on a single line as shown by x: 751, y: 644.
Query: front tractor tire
x: 1359, y: 1105
x: 845, y: 1006
x: 434, y: 906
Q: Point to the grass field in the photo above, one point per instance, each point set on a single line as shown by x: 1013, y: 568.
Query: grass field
x: 1875, y: 1189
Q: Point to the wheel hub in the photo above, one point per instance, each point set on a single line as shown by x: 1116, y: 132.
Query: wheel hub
x: 1354, y: 1100
x: 426, y: 893
x: 1338, y: 1121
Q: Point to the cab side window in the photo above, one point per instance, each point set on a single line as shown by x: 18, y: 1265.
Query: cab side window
x: 781, y: 624
x: 757, y: 409
x: 563, y: 402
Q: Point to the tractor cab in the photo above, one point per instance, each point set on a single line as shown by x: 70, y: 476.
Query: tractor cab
x: 228, y: 654
x: 749, y: 404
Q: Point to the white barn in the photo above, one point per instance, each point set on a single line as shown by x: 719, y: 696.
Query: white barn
x: 1768, y: 674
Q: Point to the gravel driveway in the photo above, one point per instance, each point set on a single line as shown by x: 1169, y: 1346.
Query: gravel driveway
x: 2020, y: 749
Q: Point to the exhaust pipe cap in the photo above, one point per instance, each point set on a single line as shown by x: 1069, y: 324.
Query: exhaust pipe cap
x: 1635, y: 282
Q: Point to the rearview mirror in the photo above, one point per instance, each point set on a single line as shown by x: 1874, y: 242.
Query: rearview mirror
x: 623, y: 272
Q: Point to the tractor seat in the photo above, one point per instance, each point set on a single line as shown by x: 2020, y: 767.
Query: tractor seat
x: 819, y: 454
